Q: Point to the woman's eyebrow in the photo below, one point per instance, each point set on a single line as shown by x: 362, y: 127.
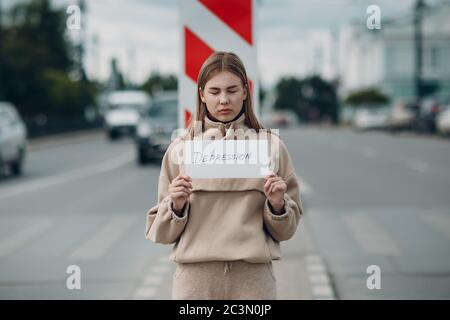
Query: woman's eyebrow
x: 230, y: 87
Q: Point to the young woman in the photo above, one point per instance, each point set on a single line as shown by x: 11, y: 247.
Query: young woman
x: 225, y: 232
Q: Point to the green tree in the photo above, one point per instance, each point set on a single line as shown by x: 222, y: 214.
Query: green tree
x: 369, y: 97
x: 36, y: 59
x: 158, y: 82
x: 312, y: 98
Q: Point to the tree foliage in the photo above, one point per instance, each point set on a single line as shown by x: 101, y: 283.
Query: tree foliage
x: 312, y: 98
x: 158, y: 82
x: 367, y: 97
x: 36, y: 61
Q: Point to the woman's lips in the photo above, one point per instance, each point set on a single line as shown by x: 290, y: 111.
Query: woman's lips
x: 225, y: 111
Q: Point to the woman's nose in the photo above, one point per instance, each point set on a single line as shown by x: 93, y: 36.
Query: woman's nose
x: 224, y: 99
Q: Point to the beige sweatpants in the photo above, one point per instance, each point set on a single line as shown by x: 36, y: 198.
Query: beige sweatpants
x: 219, y: 280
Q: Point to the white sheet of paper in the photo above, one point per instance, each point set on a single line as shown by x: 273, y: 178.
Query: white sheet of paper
x: 209, y: 159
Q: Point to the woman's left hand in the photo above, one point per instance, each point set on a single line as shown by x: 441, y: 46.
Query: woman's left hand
x: 274, y: 189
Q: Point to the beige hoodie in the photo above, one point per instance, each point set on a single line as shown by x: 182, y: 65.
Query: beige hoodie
x: 224, y: 219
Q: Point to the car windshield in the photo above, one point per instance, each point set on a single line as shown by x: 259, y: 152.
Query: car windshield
x: 164, y: 109
x: 135, y: 107
x: 375, y: 111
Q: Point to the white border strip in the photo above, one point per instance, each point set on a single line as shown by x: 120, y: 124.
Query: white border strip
x: 318, y: 278
x: 151, y: 284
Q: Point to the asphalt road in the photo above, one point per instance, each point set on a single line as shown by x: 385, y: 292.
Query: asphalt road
x: 378, y: 199
x: 370, y: 198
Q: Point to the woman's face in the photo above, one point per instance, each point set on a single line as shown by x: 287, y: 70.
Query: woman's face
x: 224, y: 95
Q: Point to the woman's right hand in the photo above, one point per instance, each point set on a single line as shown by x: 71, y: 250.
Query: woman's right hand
x: 180, y: 189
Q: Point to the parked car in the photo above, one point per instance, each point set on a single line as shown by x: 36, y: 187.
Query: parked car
x: 371, y: 118
x: 279, y: 118
x: 122, y: 112
x: 427, y: 115
x: 443, y: 120
x: 403, y: 116
x: 13, y: 139
x: 154, y: 131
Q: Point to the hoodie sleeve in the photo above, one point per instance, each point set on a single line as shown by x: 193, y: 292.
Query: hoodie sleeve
x: 163, y: 224
x: 283, y: 226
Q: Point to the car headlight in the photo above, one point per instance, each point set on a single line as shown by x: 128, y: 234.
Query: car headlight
x: 144, y: 129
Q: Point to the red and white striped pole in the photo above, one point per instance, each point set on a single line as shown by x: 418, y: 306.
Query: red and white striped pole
x: 214, y: 25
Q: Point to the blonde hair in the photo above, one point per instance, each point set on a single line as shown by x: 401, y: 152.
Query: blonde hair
x: 217, y: 62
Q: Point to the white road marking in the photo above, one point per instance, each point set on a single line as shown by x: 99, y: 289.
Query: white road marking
x: 314, y: 259
x: 324, y: 291
x: 369, y: 152
x: 102, y: 241
x: 370, y: 236
x: 164, y: 259
x: 318, y: 278
x: 439, y: 221
x: 27, y: 234
x: 153, y: 280
x: 144, y: 292
x: 340, y: 145
x: 305, y: 188
x: 419, y: 165
x: 160, y: 269
x: 316, y: 267
x: 39, y: 184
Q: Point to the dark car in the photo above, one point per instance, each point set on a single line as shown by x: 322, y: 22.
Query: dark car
x: 155, y: 127
x: 427, y: 115
x: 403, y: 116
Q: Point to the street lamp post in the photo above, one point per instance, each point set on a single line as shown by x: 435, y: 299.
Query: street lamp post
x: 418, y: 48
x: 1, y: 15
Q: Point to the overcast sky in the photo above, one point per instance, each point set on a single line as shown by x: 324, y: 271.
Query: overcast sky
x: 143, y: 34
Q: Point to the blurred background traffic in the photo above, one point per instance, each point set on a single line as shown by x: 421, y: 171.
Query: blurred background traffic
x: 89, y: 101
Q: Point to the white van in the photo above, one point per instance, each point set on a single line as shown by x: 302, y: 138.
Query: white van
x: 122, y: 112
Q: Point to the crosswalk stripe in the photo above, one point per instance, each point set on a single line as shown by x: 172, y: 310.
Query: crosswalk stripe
x: 102, y: 241
x: 322, y: 291
x: 368, y: 152
x: 153, y: 280
x: 305, y: 188
x: 440, y: 222
x: 370, y: 236
x: 146, y: 292
x: 319, y: 278
x: 419, y: 165
x: 25, y: 235
x: 161, y: 269
x: 164, y: 259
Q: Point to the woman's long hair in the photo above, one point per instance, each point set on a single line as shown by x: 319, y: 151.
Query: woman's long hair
x: 217, y: 62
